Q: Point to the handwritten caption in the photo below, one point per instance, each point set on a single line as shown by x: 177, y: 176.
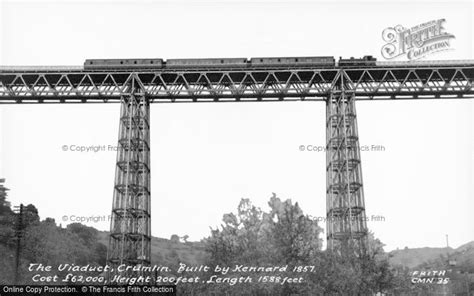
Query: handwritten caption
x: 158, y: 274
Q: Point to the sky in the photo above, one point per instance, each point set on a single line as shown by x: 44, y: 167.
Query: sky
x: 206, y: 157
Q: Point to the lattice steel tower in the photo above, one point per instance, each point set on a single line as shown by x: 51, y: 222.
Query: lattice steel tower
x: 345, y: 205
x: 130, y: 229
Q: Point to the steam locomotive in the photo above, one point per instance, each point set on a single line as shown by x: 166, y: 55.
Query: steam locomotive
x: 323, y: 61
x: 352, y: 62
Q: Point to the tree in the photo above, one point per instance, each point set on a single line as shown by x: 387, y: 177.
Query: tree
x: 5, y: 208
x: 50, y: 221
x: 284, y: 235
x: 6, y: 215
x: 174, y: 239
x: 30, y: 215
x: 295, y: 235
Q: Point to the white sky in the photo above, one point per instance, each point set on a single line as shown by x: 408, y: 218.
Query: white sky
x: 205, y: 157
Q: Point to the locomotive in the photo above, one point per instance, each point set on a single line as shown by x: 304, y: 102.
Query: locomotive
x: 282, y: 62
x: 352, y: 62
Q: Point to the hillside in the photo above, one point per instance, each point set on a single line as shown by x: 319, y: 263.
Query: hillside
x: 166, y: 252
x: 414, y: 257
x: 411, y: 258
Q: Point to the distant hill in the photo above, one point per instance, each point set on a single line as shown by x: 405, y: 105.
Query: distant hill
x: 411, y: 258
x: 165, y: 252
x: 464, y: 256
x: 414, y: 257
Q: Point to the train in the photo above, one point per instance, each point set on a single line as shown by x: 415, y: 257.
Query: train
x: 321, y: 61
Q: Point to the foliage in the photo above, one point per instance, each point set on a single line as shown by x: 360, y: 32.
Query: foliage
x: 282, y: 236
x: 286, y: 236
x: 174, y: 238
x: 44, y: 242
x: 6, y: 216
x: 4, y: 204
x: 30, y: 215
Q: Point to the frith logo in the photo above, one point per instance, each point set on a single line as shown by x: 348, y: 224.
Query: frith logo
x: 416, y: 42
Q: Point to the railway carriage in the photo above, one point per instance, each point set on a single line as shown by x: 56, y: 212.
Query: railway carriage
x: 204, y: 63
x: 292, y: 61
x: 122, y: 63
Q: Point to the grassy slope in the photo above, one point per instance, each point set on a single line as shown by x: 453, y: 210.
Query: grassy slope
x: 164, y: 252
x: 464, y: 256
